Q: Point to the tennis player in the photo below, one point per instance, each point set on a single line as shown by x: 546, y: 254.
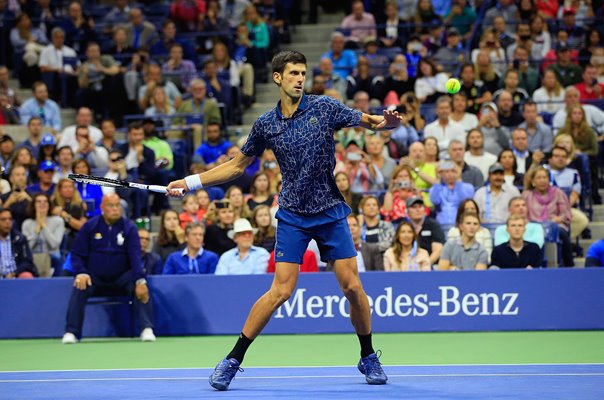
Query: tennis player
x: 300, y: 132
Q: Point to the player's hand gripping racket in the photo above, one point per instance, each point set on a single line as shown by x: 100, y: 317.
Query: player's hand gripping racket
x: 100, y: 181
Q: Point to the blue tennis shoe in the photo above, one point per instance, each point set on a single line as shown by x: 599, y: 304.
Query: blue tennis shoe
x: 371, y: 367
x: 224, y: 373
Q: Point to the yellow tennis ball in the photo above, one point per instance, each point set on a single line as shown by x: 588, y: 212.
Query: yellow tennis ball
x: 452, y: 86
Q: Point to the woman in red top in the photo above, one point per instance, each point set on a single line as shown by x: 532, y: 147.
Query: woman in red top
x: 401, y: 187
x: 188, y: 14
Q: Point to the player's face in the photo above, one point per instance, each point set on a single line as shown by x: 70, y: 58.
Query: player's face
x: 292, y: 80
x: 516, y: 229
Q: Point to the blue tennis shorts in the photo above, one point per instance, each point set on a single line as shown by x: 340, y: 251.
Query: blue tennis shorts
x: 334, y: 240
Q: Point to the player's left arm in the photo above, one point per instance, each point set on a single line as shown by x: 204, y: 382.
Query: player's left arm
x: 388, y: 121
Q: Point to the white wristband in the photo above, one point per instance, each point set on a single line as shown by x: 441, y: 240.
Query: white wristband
x: 193, y: 182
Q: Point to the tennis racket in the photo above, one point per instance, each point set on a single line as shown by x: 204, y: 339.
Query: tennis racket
x: 108, y: 182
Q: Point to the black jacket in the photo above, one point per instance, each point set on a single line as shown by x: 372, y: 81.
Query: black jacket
x: 22, y: 253
x: 146, y: 169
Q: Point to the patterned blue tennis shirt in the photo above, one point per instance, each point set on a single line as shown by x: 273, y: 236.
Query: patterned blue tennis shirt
x: 304, y: 147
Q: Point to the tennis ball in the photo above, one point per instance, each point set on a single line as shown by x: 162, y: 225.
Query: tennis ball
x: 452, y: 86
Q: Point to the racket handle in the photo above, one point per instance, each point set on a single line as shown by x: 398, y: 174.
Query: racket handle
x: 162, y: 189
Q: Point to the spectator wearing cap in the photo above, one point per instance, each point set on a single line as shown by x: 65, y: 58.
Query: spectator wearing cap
x: 17, y: 200
x: 34, y: 131
x: 451, y: 55
x: 430, y: 235
x: 469, y: 173
x: 516, y: 252
x: 540, y: 136
x: 42, y: 107
x: 245, y: 258
x: 475, y: 154
x: 45, y: 185
x: 16, y: 260
x: 494, y: 197
x: 193, y: 259
x: 83, y: 117
x: 344, y: 60
x: 48, y: 146
x: 359, y: 23
x: 443, y: 129
x: 567, y: 72
x: 447, y: 194
x: 576, y: 34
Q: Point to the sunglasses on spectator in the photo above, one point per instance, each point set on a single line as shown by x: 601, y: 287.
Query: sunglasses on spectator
x: 116, y: 159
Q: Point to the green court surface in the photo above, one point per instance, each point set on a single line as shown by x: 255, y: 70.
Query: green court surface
x: 306, y: 350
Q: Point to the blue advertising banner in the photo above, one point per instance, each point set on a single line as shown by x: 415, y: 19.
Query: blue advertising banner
x: 400, y: 302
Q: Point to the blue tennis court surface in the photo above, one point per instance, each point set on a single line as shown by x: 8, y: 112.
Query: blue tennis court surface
x: 546, y: 381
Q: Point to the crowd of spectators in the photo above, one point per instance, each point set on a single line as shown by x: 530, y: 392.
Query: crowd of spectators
x: 514, y: 156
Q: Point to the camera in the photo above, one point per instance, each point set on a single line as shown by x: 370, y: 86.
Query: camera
x: 269, y: 165
x: 403, y: 185
x: 354, y: 157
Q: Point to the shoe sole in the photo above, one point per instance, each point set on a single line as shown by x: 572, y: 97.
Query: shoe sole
x: 218, y: 386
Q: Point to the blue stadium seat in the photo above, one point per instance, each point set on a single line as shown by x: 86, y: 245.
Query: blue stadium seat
x: 181, y: 156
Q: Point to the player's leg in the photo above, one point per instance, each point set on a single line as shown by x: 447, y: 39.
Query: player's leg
x: 335, y: 243
x: 286, y: 277
x: 360, y: 315
x: 289, y: 253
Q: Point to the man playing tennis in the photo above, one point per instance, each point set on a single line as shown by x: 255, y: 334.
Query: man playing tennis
x: 300, y: 132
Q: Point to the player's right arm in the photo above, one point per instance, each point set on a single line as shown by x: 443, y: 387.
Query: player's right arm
x: 223, y: 173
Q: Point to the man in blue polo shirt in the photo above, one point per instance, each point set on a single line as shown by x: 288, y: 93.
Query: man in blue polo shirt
x: 193, y: 259
x: 106, y: 260
x: 299, y: 130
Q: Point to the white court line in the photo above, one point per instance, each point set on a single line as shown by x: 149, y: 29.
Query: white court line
x: 302, y: 367
x: 293, y: 377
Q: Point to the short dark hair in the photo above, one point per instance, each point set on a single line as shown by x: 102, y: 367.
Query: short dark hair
x: 35, y: 85
x: 108, y: 120
x: 281, y: 59
x: 33, y: 119
x: 135, y: 125
x: 561, y: 149
x: 528, y: 103
x: 60, y: 149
